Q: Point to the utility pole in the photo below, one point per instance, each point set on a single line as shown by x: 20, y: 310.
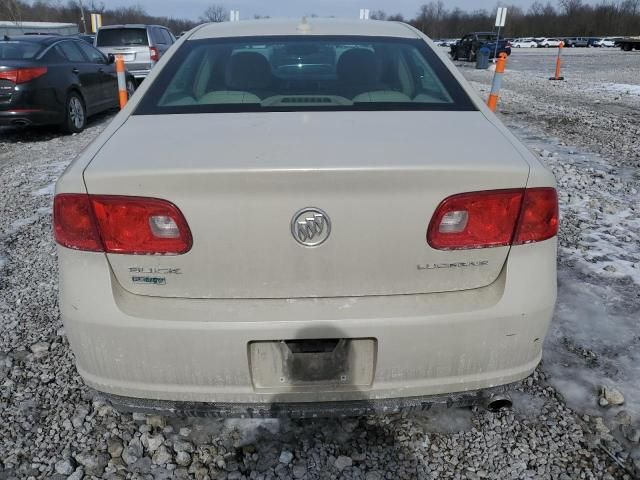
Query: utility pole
x: 84, y: 22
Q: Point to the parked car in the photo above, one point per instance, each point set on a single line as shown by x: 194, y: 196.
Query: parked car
x: 467, y: 47
x: 286, y: 177
x: 573, y: 42
x: 524, y: 43
x: 140, y: 45
x: 90, y: 39
x: 549, y: 42
x: 605, y: 42
x: 55, y: 80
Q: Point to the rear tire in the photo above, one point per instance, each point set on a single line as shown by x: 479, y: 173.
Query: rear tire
x: 75, y: 118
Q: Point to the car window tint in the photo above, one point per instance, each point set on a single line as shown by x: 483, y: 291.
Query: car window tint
x: 120, y: 37
x: 72, y: 51
x: 166, y: 36
x: 302, y: 73
x: 156, y: 35
x: 95, y: 56
x: 19, y: 50
x: 54, y: 55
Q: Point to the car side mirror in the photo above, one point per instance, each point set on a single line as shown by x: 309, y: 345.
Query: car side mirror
x: 111, y: 58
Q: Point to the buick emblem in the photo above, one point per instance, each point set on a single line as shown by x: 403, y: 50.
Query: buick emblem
x: 310, y: 227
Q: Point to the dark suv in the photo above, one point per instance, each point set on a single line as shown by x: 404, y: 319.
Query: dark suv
x: 141, y: 45
x: 576, y: 42
x: 467, y: 47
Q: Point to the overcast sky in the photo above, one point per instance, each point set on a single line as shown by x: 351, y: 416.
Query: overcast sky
x: 296, y: 8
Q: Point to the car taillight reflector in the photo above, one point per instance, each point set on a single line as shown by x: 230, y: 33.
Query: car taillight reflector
x: 22, y: 75
x: 540, y: 217
x: 494, y: 218
x: 155, y: 56
x: 122, y: 224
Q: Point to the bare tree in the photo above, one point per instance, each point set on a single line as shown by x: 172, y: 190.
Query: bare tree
x: 397, y: 17
x: 571, y: 7
x: 12, y: 10
x: 215, y: 13
x: 378, y: 15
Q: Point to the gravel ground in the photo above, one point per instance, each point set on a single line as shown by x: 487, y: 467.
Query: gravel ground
x: 51, y: 426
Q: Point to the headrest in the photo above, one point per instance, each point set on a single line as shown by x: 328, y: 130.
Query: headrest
x: 248, y: 71
x: 358, y: 66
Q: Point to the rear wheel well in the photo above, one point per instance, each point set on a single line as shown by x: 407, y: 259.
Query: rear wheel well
x: 74, y: 89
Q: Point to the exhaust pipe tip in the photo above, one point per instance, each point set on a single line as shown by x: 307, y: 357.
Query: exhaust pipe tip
x: 496, y: 403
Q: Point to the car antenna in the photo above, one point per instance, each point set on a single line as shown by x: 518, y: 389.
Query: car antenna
x: 304, y: 26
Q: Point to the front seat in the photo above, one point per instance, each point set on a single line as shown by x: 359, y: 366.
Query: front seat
x: 359, y: 74
x: 246, y: 75
x: 358, y: 71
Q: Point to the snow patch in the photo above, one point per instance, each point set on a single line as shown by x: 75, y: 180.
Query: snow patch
x: 23, y: 222
x: 626, y: 88
x: 45, y: 191
x: 594, y: 341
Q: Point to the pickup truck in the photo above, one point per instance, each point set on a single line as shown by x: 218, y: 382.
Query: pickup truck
x: 628, y: 43
x: 467, y: 47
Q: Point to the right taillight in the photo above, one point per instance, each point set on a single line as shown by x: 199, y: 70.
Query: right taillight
x: 155, y: 55
x: 120, y: 224
x: 540, y: 217
x: 494, y: 218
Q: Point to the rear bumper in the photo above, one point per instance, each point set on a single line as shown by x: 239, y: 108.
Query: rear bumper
x: 351, y: 408
x: 182, y: 350
x: 28, y: 117
x: 139, y: 74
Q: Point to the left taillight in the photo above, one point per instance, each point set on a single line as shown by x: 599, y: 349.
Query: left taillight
x: 22, y: 75
x: 120, y: 224
x: 74, y: 225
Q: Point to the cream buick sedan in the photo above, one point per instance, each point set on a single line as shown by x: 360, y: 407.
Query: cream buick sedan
x: 304, y: 218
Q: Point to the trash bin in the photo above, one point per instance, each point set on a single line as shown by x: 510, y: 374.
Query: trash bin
x: 482, y: 58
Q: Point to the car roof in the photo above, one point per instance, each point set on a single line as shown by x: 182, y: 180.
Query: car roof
x: 129, y: 25
x: 311, y: 26
x: 41, y: 39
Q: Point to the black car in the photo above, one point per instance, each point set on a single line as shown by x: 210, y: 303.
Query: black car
x: 469, y: 45
x: 90, y: 39
x: 47, y: 80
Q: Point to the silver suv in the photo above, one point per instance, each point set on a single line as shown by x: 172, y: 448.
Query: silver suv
x: 141, y: 45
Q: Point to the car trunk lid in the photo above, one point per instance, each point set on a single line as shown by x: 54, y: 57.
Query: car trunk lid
x: 131, y: 43
x: 239, y: 179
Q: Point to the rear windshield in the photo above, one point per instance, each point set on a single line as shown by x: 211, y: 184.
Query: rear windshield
x: 303, y: 73
x: 18, y: 50
x: 119, y: 37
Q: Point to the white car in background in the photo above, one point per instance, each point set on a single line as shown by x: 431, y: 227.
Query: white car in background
x: 605, y: 42
x: 305, y: 232
x: 524, y: 43
x: 549, y: 42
